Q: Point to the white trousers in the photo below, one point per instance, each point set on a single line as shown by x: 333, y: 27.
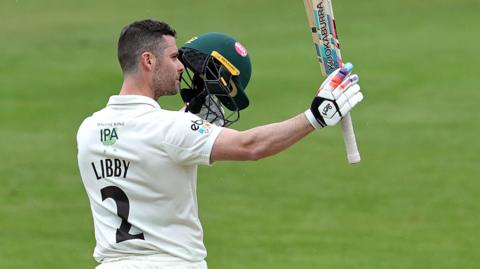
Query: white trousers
x: 133, y: 263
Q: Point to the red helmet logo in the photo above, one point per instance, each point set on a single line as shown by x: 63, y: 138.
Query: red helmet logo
x: 241, y: 50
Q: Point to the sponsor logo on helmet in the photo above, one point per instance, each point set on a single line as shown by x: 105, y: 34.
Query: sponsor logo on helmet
x: 241, y: 50
x: 230, y: 67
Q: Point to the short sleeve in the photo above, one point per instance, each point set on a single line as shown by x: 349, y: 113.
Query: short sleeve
x: 189, y: 139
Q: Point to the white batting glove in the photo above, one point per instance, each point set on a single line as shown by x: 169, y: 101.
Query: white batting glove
x: 337, y: 95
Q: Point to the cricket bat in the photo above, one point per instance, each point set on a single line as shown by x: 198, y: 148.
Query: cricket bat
x: 324, y: 34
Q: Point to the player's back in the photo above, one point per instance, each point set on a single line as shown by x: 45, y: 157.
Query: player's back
x: 138, y: 164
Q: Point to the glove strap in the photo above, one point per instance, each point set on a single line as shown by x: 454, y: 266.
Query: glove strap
x: 313, y: 120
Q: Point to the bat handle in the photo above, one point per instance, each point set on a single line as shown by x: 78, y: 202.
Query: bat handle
x: 353, y: 155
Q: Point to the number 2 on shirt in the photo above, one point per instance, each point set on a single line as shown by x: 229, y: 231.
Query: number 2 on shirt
x: 123, y: 210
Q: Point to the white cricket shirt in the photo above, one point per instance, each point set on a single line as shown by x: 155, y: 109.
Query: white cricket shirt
x: 138, y: 163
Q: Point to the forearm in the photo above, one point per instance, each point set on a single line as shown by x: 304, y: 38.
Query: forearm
x: 268, y: 140
x: 337, y: 96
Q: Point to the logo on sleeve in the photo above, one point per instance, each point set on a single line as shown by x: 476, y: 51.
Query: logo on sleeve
x: 201, y: 126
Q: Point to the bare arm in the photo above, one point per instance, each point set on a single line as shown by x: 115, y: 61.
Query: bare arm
x: 260, y: 142
x: 338, y: 94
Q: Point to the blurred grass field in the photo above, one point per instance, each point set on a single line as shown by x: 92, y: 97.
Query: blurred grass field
x: 412, y: 203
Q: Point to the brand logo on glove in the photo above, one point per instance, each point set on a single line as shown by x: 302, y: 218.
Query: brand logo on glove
x: 327, y: 109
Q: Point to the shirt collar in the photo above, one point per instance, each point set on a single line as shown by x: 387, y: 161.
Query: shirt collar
x: 131, y: 100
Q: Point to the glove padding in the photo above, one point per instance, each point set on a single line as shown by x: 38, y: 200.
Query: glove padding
x: 337, y: 95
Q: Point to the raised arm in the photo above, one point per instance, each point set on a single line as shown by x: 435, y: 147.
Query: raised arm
x: 260, y: 142
x: 336, y: 97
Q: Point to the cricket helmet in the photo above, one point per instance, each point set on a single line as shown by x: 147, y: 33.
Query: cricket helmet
x: 217, y: 65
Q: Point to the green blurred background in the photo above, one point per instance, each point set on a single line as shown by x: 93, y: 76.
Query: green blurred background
x: 412, y: 202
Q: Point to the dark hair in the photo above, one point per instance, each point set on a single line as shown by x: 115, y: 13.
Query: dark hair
x: 139, y: 37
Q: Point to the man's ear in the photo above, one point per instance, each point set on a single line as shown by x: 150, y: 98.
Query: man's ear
x: 147, y: 61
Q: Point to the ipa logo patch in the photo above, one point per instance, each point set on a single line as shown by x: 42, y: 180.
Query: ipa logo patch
x: 108, y: 136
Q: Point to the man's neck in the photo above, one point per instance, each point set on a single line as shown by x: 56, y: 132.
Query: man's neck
x: 135, y: 86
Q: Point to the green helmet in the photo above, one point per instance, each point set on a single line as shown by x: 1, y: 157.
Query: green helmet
x: 222, y: 64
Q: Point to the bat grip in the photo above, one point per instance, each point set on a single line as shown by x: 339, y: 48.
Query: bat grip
x: 353, y: 155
